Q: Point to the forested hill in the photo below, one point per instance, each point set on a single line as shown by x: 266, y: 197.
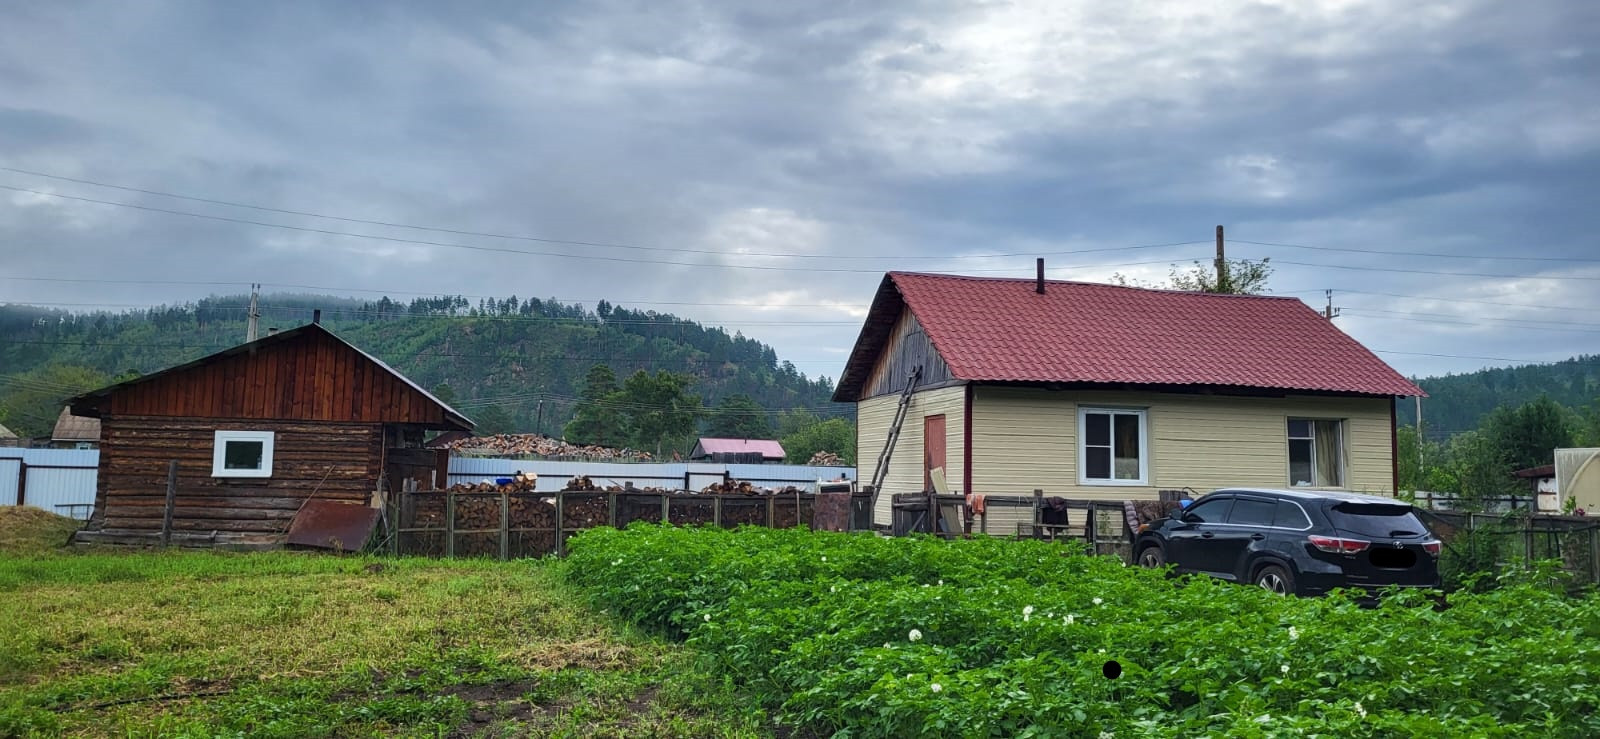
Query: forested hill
x: 1456, y: 403
x: 506, y: 354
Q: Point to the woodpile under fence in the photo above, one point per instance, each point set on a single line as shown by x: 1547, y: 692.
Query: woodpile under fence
x: 537, y: 445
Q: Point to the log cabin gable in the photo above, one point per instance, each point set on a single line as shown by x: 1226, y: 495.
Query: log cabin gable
x: 305, y: 374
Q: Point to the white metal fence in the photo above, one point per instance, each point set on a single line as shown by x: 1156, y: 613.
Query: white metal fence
x: 553, y: 476
x: 63, y: 480
x: 58, y: 480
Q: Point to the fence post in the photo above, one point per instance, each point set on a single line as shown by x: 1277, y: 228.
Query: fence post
x: 391, y: 515
x: 666, y: 503
x: 611, y: 509
x: 172, y: 500
x: 1091, y: 528
x: 1038, y: 512
x: 505, y: 526
x: 1594, y: 554
x: 22, y: 482
x: 771, y: 503
x: 716, y: 511
x: 561, y: 512
x: 450, y: 523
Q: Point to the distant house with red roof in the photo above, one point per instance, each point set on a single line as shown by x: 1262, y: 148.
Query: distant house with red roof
x: 1088, y: 390
x: 766, y: 450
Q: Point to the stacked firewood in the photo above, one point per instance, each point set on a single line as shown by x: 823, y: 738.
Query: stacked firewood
x: 538, y: 445
x: 825, y: 459
x: 738, y: 487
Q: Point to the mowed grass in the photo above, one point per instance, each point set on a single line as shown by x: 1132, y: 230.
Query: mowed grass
x: 302, y: 645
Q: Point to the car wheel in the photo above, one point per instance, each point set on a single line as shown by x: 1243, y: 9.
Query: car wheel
x: 1152, y: 556
x: 1275, y: 579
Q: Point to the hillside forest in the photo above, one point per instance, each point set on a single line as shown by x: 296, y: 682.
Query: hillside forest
x: 653, y: 381
x: 511, y: 364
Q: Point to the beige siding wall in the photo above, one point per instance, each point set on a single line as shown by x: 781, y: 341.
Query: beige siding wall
x: 1024, y: 439
x: 873, y: 418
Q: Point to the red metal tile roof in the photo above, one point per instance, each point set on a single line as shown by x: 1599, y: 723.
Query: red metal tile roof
x: 1001, y: 330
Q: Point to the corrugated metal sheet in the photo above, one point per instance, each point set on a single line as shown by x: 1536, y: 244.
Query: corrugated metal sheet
x: 8, y: 480
x: 59, y: 480
x: 553, y: 475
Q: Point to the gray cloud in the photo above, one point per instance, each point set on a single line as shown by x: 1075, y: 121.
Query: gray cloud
x: 906, y: 130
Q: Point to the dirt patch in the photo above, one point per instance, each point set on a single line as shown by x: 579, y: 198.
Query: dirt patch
x: 498, y: 704
x: 589, y: 654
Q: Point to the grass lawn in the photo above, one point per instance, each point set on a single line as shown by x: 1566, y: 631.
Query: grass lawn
x: 300, y: 645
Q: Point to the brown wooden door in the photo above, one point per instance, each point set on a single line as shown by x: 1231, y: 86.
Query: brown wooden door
x: 932, y: 448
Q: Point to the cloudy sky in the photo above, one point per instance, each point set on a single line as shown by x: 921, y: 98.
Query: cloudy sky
x: 1434, y: 163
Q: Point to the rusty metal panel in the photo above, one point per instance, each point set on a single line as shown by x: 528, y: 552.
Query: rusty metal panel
x: 832, y: 512
x: 327, y: 524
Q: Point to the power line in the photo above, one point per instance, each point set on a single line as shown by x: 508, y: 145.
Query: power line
x: 1465, y: 300
x: 1479, y: 320
x: 1404, y: 316
x: 503, y: 250
x: 1434, y: 272
x: 1411, y: 253
x: 546, y: 240
x: 1570, y: 360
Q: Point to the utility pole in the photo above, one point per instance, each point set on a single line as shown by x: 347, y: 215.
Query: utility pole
x: 538, y: 424
x: 1222, y: 266
x: 255, y: 314
x: 1330, y: 312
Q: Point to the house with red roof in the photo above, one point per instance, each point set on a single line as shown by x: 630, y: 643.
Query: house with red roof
x: 1088, y: 390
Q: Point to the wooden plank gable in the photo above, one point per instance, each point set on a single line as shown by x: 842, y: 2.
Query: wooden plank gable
x: 312, y: 376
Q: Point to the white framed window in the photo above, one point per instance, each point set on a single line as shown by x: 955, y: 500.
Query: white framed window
x: 1113, y: 447
x: 1316, y: 452
x: 242, y: 454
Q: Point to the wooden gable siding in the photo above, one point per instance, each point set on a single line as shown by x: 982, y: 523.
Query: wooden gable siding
x: 328, y: 461
x: 908, y: 346
x: 312, y: 378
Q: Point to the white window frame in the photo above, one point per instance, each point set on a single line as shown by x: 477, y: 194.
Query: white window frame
x: 1344, y: 452
x: 1144, y: 446
x: 220, y: 447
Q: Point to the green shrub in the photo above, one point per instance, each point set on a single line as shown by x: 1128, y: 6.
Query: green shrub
x: 896, y: 637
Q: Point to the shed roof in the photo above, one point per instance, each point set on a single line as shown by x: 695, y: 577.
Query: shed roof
x: 75, y: 428
x: 1543, y: 470
x: 6, y: 433
x: 1002, y: 330
x: 96, y: 402
x: 768, y: 448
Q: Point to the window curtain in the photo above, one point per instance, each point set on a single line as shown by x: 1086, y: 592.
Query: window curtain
x: 1330, y: 458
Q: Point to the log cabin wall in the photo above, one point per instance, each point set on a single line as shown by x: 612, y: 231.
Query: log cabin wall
x: 908, y: 346
x: 337, y: 461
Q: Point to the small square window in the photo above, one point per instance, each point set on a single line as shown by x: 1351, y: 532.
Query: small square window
x: 1111, y: 447
x: 242, y: 454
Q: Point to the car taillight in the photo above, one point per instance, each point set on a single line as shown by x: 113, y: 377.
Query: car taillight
x: 1433, y: 547
x: 1336, y: 545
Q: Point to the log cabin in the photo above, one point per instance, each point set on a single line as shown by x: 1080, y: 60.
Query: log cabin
x: 256, y: 430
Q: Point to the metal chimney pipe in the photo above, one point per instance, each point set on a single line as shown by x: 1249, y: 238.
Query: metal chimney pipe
x: 1039, y: 284
x: 316, y: 316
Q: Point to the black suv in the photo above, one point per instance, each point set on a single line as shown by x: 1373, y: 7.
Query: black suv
x: 1305, y: 542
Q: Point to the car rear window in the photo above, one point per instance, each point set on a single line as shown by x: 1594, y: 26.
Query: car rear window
x: 1376, y: 519
x: 1289, y: 516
